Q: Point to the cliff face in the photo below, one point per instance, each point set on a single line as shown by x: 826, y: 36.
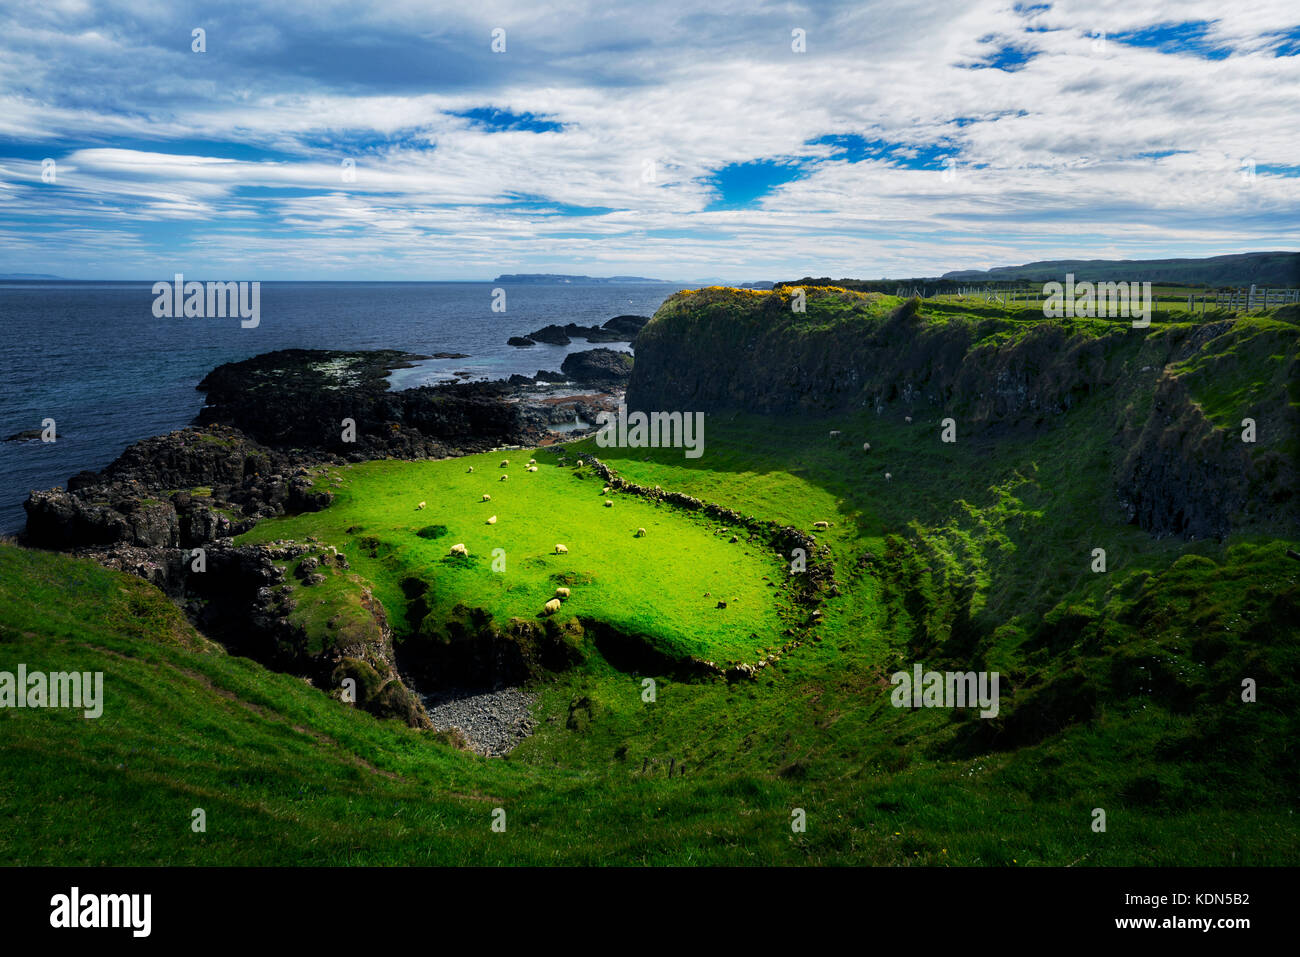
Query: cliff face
x: 1180, y: 468
x: 743, y: 350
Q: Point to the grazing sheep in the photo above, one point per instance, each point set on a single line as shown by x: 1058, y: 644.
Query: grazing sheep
x: 492, y: 520
x: 487, y: 497
x: 640, y: 533
x: 561, y: 550
x: 420, y: 506
x: 552, y: 607
x: 532, y: 461
x: 459, y: 549
x: 579, y: 463
x: 835, y: 433
x: 561, y: 593
x: 907, y: 419
x: 605, y: 490
x: 866, y: 446
x: 608, y: 503
x: 471, y: 468
x: 531, y: 468
x: 821, y: 524
x: 505, y: 462
x: 888, y: 476
x: 504, y: 477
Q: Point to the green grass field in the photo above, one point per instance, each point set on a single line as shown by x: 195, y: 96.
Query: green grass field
x: 665, y: 585
x: 1121, y: 691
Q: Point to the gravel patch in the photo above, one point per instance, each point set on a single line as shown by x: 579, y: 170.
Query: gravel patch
x: 492, y: 721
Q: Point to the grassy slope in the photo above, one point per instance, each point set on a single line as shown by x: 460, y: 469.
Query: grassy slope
x: 710, y: 772
x: 653, y: 586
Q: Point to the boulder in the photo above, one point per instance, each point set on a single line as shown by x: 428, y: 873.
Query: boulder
x: 628, y: 325
x: 598, y: 367
x: 552, y: 335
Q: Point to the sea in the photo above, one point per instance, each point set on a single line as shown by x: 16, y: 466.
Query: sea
x: 93, y: 357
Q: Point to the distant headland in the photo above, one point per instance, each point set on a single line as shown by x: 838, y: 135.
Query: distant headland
x: 549, y: 277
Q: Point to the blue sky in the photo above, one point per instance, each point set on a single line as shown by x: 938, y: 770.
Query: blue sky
x: 391, y: 141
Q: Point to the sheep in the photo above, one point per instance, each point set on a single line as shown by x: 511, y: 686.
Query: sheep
x: 608, y: 503
x: 605, y: 490
x: 552, y: 607
x: 561, y: 550
x: 532, y: 461
x: 471, y: 468
x: 888, y: 476
x: 907, y: 419
x: 579, y: 463
x: 504, y: 463
x: 487, y: 497
x: 492, y: 520
x: 561, y: 593
x: 866, y: 446
x: 821, y: 524
x: 531, y: 468
x: 835, y: 433
x: 420, y: 506
x: 504, y: 477
x: 459, y: 549
x: 640, y: 533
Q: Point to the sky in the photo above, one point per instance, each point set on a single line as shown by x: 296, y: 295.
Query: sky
x: 736, y: 140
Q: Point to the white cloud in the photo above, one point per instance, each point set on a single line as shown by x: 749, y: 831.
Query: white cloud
x: 1087, y: 147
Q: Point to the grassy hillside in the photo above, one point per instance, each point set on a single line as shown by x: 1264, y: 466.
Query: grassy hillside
x: 665, y: 585
x: 1266, y: 269
x: 1121, y: 690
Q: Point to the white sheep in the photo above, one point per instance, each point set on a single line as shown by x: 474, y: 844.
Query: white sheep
x: 471, y: 468
x: 888, y: 476
x: 561, y: 550
x: 532, y: 461
x: 907, y: 419
x: 561, y: 593
x: 605, y: 490
x: 552, y: 607
x: 640, y: 533
x: 487, y: 497
x: 459, y: 549
x: 492, y: 520
x: 420, y: 506
x: 821, y: 524
x: 608, y: 503
x: 531, y: 468
x: 504, y: 477
x: 505, y: 462
x: 579, y: 463
x: 835, y: 433
x: 866, y: 446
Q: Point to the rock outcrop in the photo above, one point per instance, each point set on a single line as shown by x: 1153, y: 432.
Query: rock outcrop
x: 243, y: 598
x: 618, y: 329
x: 602, y: 368
x: 300, y: 399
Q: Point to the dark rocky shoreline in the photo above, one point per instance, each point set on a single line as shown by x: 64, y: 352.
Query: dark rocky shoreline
x: 618, y: 329
x: 268, y: 425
